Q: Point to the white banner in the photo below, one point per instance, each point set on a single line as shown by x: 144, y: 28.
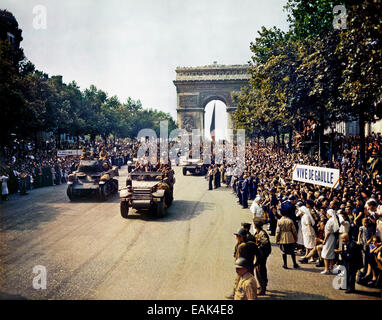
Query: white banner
x: 64, y: 153
x: 327, y: 177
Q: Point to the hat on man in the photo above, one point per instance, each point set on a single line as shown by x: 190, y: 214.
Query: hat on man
x: 242, y: 263
x: 246, y: 225
x: 292, y: 197
x: 241, y: 232
x: 258, y: 221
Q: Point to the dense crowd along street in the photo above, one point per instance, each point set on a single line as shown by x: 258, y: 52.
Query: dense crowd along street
x: 105, y: 196
x: 310, y: 223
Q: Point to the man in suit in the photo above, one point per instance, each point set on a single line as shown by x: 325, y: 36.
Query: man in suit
x: 352, y: 257
x: 239, y: 191
x: 244, y: 190
x: 250, y: 188
x: 255, y: 183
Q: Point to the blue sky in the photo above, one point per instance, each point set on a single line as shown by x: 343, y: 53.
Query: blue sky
x: 131, y: 48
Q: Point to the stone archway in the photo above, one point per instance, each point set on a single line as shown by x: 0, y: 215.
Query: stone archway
x: 196, y: 86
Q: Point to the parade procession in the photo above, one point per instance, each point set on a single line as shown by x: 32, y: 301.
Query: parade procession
x: 253, y: 181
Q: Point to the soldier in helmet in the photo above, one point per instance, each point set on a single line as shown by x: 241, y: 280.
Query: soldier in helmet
x: 86, y: 154
x: 247, y: 226
x: 248, y: 250
x: 246, y: 286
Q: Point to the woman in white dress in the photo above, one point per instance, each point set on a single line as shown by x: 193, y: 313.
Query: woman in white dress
x: 308, y: 233
x: 4, y: 187
x: 330, y: 241
x: 299, y: 214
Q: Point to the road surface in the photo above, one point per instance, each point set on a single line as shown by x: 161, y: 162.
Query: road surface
x: 91, y: 252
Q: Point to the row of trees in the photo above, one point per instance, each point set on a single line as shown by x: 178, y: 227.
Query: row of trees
x: 32, y: 102
x: 315, y: 71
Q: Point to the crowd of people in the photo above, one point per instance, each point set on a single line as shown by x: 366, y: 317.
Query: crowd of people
x: 27, y: 165
x: 328, y: 227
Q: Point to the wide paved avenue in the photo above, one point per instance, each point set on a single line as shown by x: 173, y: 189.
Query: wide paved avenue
x: 91, y: 252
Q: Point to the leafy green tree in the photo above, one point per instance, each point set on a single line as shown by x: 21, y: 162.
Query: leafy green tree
x: 360, y: 48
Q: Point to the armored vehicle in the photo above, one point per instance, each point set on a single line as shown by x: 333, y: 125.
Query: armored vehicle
x: 194, y: 166
x: 93, y: 177
x: 147, y: 190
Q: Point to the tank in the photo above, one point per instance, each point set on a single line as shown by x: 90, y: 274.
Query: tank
x: 93, y: 178
x: 195, y: 167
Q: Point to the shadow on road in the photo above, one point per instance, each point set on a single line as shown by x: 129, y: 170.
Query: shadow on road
x: 8, y: 296
x: 291, y: 295
x: 181, y: 210
x: 28, y: 219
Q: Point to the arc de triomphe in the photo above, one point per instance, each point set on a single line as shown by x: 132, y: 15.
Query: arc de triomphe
x: 197, y: 86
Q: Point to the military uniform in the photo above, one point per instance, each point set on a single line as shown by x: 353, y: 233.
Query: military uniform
x: 246, y: 288
x: 262, y: 241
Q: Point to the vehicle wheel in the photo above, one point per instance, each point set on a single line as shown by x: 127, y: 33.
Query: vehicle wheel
x: 184, y: 171
x: 115, y: 186
x: 124, y: 209
x: 69, y: 193
x: 161, y: 209
x: 168, y: 198
x: 101, y: 193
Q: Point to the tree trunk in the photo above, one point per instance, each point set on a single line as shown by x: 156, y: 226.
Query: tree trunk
x: 290, y: 138
x: 321, y: 154
x: 277, y: 138
x: 58, y: 139
x: 362, y: 150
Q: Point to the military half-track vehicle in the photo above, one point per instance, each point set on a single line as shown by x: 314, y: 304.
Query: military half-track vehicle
x: 147, y: 190
x: 194, y: 166
x: 93, y: 178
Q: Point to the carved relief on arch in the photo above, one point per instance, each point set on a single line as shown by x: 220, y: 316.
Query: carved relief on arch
x: 206, y: 97
x: 188, y: 123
